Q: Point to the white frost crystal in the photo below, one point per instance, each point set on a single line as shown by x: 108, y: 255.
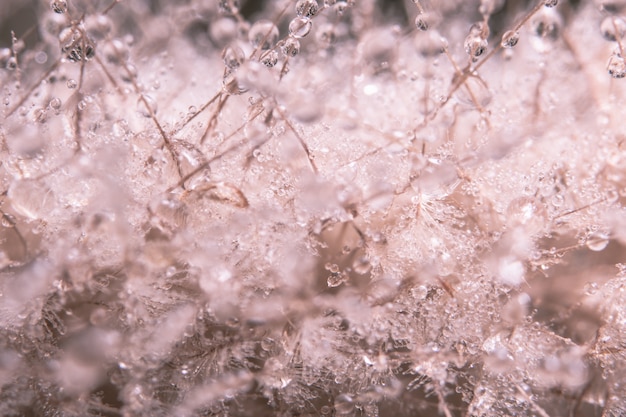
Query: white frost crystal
x: 304, y: 208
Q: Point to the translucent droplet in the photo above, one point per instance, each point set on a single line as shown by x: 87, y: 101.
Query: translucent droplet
x: 510, y: 39
x: 55, y: 103
x: 419, y: 293
x: 71, y: 84
x: 98, y: 26
x: 430, y: 44
x: 550, y: 3
x: 299, y: 27
x: 267, y: 344
x: 141, y: 106
x: 474, y: 93
x: 591, y: 288
x: 326, y: 36
x: 340, y: 7
x: 228, y: 6
x: 81, y: 52
x: 616, y: 66
x: 233, y: 57
x: 269, y: 58
x: 422, y: 21
x: 597, y: 241
x: 307, y: 8
x: 116, y: 51
x: 11, y: 63
x: 7, y: 220
x: 39, y: 115
x: 475, y: 45
x: 546, y: 24
x: 344, y: 405
x: 613, y: 28
x: 528, y: 213
x: 58, y: 6
x: 263, y: 34
x: 558, y: 200
x: 361, y: 265
x: 335, y: 279
x: 291, y: 47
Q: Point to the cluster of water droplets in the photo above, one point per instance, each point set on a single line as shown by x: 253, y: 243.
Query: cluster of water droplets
x: 313, y: 208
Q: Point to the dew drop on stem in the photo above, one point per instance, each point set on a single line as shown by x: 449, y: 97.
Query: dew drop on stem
x: 299, y: 27
x: 263, y: 34
x: 510, y: 39
x: 233, y: 56
x: 291, y: 47
x: 597, y: 241
x: 616, y: 65
x: 58, y: 6
x: 613, y: 28
x: 307, y: 8
x: 422, y: 21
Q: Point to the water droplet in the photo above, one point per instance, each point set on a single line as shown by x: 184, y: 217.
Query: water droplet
x: 291, y: 47
x: 616, y: 66
x: 326, y: 36
x: 422, y: 21
x: 344, y: 405
x: 299, y: 27
x: 361, y: 265
x: 335, y: 279
x: 340, y: 7
x: 419, y: 293
x: 510, y: 39
x: 233, y: 57
x: 267, y: 344
x: 307, y: 8
x: 612, y: 196
x: 546, y: 24
x: 597, y: 241
x: 228, y: 6
x: 39, y: 115
x: 269, y: 58
x: 558, y: 200
x: 11, y: 63
x: 58, y: 6
x: 263, y: 34
x: 474, y: 92
x: 55, y: 103
x: 613, y: 28
x: 550, y: 3
x: 591, y: 288
x: 528, y: 213
x: 149, y: 101
x: 80, y: 50
x: 71, y: 84
x: 430, y: 44
x: 476, y: 41
x: 7, y: 220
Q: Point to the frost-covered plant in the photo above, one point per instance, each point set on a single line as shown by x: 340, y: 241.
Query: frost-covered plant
x: 297, y: 208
